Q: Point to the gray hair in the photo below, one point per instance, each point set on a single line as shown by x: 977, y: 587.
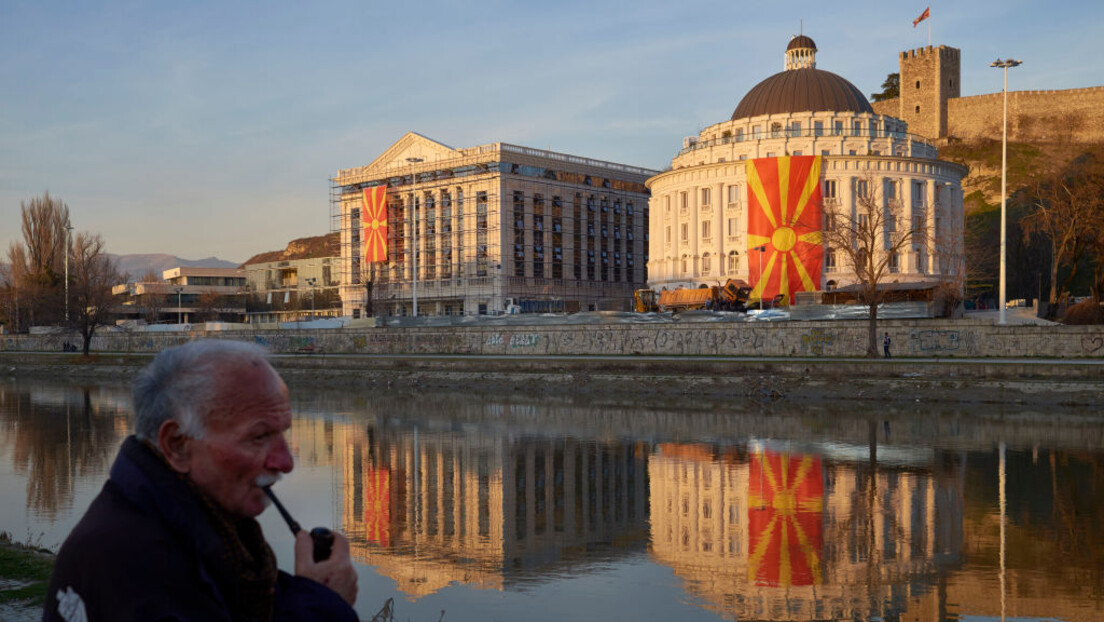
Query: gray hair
x: 181, y: 383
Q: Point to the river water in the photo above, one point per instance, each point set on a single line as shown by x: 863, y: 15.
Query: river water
x: 510, y: 507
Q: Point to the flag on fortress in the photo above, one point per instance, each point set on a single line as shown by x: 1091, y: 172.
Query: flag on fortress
x: 923, y: 16
x: 785, y: 219
x: 374, y: 224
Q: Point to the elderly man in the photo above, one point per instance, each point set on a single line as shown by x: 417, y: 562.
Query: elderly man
x: 172, y: 535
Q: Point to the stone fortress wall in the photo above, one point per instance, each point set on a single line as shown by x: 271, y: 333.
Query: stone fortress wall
x: 927, y: 338
x: 930, y: 104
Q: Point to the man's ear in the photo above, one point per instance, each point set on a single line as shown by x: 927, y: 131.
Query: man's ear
x: 173, y: 444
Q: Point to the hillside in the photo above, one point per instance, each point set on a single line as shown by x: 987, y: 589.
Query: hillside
x: 301, y: 248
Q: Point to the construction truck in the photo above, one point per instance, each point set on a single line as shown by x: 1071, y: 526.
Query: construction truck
x: 645, y: 301
x: 733, y: 296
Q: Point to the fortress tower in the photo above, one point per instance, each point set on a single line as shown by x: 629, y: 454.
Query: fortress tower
x: 929, y: 77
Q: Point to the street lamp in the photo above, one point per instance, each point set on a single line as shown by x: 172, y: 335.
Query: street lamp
x: 414, y: 225
x: 762, y: 248
x: 179, y: 311
x: 311, y: 281
x: 1004, y: 64
x: 68, y: 247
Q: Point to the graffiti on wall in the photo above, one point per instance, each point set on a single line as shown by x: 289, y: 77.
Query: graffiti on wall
x: 817, y: 340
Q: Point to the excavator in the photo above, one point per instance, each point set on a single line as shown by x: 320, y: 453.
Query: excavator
x: 733, y: 296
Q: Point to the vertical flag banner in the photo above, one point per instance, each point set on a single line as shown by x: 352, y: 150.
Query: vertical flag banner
x: 785, y: 519
x: 377, y: 506
x: 374, y: 224
x: 923, y: 16
x: 785, y: 215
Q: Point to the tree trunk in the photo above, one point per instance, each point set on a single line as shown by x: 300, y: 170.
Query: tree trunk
x: 87, y: 338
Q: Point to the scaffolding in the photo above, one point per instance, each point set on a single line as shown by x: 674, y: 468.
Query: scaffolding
x: 495, y: 237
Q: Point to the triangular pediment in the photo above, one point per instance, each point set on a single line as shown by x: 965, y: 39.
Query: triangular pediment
x: 411, y: 145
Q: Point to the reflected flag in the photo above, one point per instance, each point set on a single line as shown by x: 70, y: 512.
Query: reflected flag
x: 377, y: 506
x: 785, y: 519
x: 374, y: 224
x: 785, y: 216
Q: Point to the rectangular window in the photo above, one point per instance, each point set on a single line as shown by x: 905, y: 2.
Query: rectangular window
x: 732, y: 230
x: 756, y: 132
x: 829, y: 188
x: 705, y: 196
x: 706, y: 231
x: 733, y: 194
x: 830, y: 259
x: 667, y: 235
x: 685, y: 232
x: 740, y: 135
x: 837, y: 128
x: 683, y: 200
x: 860, y: 188
x: 796, y: 152
x: 795, y: 129
x: 818, y: 128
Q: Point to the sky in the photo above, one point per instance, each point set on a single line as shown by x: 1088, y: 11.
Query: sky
x: 204, y: 129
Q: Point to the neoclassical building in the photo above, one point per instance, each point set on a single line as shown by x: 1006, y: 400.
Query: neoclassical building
x: 491, y: 223
x: 702, y: 208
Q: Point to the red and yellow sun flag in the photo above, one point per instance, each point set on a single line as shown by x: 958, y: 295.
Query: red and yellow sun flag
x: 785, y: 518
x: 374, y: 223
x: 785, y: 216
x: 377, y: 506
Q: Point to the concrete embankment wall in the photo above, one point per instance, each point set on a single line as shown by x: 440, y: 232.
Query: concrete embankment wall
x: 928, y: 338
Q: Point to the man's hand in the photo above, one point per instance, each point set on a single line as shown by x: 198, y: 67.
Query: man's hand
x: 335, y: 573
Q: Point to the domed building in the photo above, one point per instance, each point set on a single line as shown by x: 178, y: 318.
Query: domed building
x: 762, y: 196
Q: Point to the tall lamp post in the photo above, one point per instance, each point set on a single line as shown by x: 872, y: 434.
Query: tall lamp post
x: 68, y: 248
x: 1004, y: 64
x: 414, y: 224
x: 762, y: 248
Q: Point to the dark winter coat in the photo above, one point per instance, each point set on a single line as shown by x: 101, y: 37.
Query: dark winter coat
x: 145, y: 550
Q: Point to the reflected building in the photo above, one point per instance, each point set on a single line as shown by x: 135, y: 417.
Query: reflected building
x: 774, y: 534
x: 432, y: 507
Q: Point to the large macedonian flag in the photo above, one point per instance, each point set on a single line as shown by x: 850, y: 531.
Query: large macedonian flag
x: 785, y: 216
x: 377, y: 506
x: 374, y: 224
x: 785, y: 518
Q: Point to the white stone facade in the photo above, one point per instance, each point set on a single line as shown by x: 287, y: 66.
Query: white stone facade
x: 698, y: 214
x: 494, y: 222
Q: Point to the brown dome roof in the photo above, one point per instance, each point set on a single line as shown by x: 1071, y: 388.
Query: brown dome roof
x: 800, y: 41
x: 802, y: 90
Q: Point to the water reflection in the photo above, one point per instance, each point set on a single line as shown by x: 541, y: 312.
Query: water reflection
x: 430, y: 507
x: 803, y: 514
x: 56, y: 435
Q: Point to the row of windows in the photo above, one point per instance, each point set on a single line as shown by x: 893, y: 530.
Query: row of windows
x: 509, y: 168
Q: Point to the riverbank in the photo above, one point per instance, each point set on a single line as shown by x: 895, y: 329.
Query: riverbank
x: 1003, y: 381
x: 24, y: 576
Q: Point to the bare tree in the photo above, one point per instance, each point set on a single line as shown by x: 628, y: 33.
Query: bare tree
x: 870, y: 239
x: 208, y: 305
x: 153, y: 300
x: 37, y: 263
x: 1065, y: 208
x: 93, y: 274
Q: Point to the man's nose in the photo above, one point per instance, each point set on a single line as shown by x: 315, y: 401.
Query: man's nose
x: 279, y: 457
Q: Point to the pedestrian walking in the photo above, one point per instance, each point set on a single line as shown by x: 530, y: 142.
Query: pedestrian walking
x: 885, y: 345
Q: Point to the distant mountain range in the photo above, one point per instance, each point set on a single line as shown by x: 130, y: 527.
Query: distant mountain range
x: 136, y: 266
